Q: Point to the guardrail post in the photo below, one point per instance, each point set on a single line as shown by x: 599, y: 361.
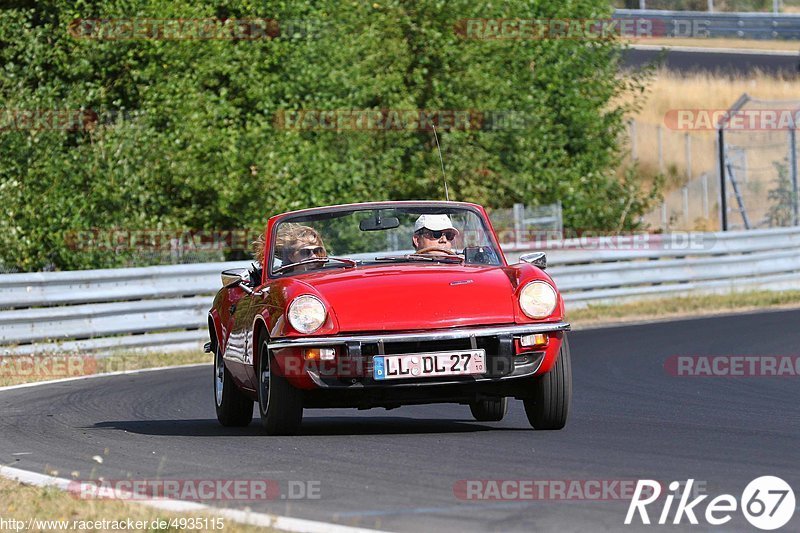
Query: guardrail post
x: 723, y: 201
x: 660, y: 138
x: 793, y: 164
x: 642, y: 4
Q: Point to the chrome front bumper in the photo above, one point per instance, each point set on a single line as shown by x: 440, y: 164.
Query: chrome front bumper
x: 422, y: 336
x: 497, y: 341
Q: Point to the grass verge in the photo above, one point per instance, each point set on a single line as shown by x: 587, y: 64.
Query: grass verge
x: 48, y: 504
x: 682, y: 307
x: 14, y: 370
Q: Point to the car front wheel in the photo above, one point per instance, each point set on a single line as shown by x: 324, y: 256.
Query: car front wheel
x: 279, y: 403
x: 234, y: 409
x: 548, y: 407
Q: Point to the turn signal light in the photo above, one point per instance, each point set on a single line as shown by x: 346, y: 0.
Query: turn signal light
x: 320, y: 354
x: 537, y: 339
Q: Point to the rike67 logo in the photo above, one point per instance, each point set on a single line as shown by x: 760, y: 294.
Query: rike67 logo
x: 767, y: 502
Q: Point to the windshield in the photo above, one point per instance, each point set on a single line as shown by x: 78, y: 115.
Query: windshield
x: 345, y: 239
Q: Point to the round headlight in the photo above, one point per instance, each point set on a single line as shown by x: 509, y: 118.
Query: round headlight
x: 538, y: 299
x: 307, y: 313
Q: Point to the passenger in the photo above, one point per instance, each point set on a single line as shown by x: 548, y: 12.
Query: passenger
x: 296, y: 243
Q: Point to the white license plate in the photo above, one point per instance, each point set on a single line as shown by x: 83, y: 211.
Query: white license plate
x: 423, y: 365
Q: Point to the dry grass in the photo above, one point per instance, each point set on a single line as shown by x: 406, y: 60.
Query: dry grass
x: 46, y: 367
x: 672, y: 90
x: 686, y: 306
x: 21, y: 502
x: 744, y: 44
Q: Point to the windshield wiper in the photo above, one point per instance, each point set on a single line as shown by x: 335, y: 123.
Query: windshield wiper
x: 348, y: 263
x: 416, y: 257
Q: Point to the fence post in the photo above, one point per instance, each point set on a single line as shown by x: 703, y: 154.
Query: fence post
x: 793, y: 164
x: 685, y: 193
x: 688, y: 141
x: 710, y: 6
x: 660, y: 138
x: 519, y: 214
x: 723, y: 202
x: 704, y: 182
x: 560, y: 219
x: 642, y: 4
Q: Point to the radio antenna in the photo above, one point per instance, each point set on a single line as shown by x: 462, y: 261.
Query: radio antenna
x: 439, y: 148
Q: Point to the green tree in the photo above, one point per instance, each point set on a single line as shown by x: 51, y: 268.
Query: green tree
x: 183, y: 134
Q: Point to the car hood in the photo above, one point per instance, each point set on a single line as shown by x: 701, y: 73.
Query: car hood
x: 410, y: 297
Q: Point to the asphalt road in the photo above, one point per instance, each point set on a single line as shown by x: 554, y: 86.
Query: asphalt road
x: 726, y: 63
x: 397, y: 470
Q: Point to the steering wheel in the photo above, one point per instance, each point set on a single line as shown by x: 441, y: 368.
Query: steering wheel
x: 448, y: 251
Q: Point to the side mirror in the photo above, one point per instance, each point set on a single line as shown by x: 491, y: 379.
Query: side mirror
x: 233, y: 276
x: 537, y: 259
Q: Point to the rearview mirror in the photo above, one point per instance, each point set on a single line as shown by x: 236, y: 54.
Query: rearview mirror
x: 378, y: 223
x: 233, y: 276
x: 537, y: 259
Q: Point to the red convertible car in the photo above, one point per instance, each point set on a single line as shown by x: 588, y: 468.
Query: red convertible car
x: 387, y: 304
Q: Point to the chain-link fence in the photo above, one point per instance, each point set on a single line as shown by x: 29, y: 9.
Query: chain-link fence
x: 518, y: 226
x: 688, y: 161
x: 759, y: 160
x: 760, y: 163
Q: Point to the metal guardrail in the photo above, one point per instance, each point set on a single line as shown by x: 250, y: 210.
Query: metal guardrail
x: 732, y: 25
x: 165, y: 307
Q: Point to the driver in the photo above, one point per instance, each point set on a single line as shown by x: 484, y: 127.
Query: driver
x: 434, y: 234
x: 295, y: 243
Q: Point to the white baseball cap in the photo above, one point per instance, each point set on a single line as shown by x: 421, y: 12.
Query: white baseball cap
x: 434, y: 223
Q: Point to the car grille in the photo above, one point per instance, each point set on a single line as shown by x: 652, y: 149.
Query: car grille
x: 499, y: 351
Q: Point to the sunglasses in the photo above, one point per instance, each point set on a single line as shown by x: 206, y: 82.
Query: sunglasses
x: 307, y: 253
x: 436, y: 235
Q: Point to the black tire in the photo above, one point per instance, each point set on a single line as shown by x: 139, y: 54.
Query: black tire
x: 279, y: 403
x: 489, y: 410
x: 234, y: 409
x: 548, y: 408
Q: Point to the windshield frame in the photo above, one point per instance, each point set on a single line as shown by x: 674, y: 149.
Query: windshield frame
x: 366, y: 206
